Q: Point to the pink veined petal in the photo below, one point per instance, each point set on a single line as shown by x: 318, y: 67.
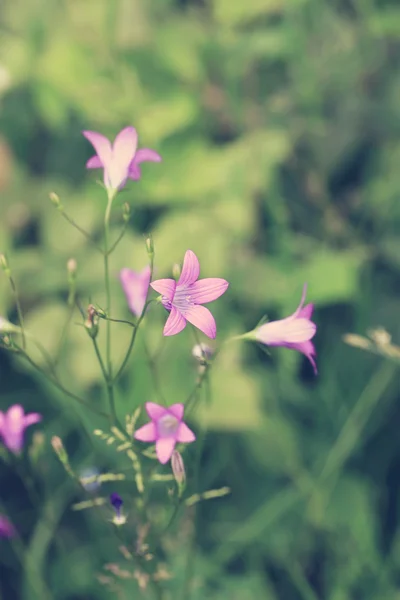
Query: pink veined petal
x: 306, y: 312
x: 2, y: 419
x: 207, y: 290
x: 200, y: 317
x: 102, y: 146
x: 177, y: 410
x: 164, y: 449
x: 145, y: 154
x: 155, y: 411
x: 31, y: 419
x: 123, y: 152
x: 165, y: 287
x: 303, y: 297
x: 135, y: 286
x: 280, y: 333
x: 308, y: 349
x: 147, y: 433
x: 175, y: 323
x: 94, y: 163
x: 185, y: 435
x: 190, y: 269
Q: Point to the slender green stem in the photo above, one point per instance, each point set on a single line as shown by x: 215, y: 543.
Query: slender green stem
x: 63, y: 335
x: 19, y: 310
x: 119, y: 238
x: 82, y: 231
x: 100, y: 359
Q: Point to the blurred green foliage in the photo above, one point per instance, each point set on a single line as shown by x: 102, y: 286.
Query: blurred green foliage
x: 278, y: 124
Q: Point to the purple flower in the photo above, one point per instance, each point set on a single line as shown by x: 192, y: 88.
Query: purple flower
x: 185, y: 297
x: 6, y: 528
x: 166, y: 428
x: 135, y: 285
x: 13, y: 424
x: 117, y: 502
x: 120, y: 160
x: 293, y: 332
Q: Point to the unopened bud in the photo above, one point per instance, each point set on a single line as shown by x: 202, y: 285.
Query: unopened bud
x: 59, y: 449
x: 55, y: 200
x: 101, y: 313
x: 178, y: 469
x: 202, y: 352
x: 92, y: 322
x: 176, y: 271
x: 72, y: 266
x: 4, y: 265
x: 37, y: 447
x: 150, y: 245
x: 126, y: 212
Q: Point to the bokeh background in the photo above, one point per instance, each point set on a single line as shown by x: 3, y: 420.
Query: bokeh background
x: 278, y: 124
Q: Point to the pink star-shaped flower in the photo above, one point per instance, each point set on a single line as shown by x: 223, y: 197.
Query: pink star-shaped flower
x: 184, y: 298
x: 166, y: 428
x: 13, y: 424
x: 120, y: 160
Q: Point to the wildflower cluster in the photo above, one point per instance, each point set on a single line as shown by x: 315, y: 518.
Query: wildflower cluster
x: 183, y: 297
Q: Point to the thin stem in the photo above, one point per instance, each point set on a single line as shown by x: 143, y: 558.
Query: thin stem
x: 19, y: 310
x: 82, y: 231
x: 63, y: 335
x: 153, y: 368
x: 119, y: 238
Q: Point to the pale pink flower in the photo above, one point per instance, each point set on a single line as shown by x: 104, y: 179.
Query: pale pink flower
x: 13, y: 424
x: 120, y: 160
x: 6, y: 528
x: 184, y: 298
x: 135, y: 285
x: 295, y: 331
x: 166, y: 428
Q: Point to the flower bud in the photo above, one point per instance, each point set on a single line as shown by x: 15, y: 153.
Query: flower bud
x: 4, y: 265
x: 92, y: 322
x: 126, y: 212
x: 150, y: 245
x: 72, y: 266
x: 59, y: 449
x: 55, y: 200
x: 202, y: 352
x: 176, y: 271
x: 178, y: 469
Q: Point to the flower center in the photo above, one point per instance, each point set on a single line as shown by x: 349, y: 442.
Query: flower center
x: 167, y: 425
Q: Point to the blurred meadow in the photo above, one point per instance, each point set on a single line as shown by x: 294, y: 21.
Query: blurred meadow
x: 278, y: 123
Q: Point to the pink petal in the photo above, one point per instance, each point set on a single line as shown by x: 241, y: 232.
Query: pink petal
x: 190, y: 269
x: 147, y: 433
x: 155, y: 411
x: 15, y: 416
x: 306, y: 348
x: 185, y: 435
x: 279, y: 333
x: 145, y: 154
x: 94, y: 163
x: 306, y: 312
x: 102, y: 146
x: 31, y: 419
x: 135, y: 286
x: 177, y: 410
x: 135, y: 172
x: 165, y: 287
x: 175, y: 323
x: 123, y: 152
x: 303, y: 297
x: 2, y: 419
x: 164, y: 449
x: 200, y: 317
x: 207, y: 290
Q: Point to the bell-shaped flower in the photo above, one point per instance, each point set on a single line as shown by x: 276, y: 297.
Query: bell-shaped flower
x: 185, y: 297
x: 135, y: 285
x: 295, y: 331
x: 166, y: 428
x: 7, y: 529
x: 119, y: 160
x: 13, y: 424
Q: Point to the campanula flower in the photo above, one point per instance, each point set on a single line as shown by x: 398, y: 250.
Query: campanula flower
x: 135, y: 285
x: 117, y: 502
x: 166, y: 428
x: 295, y: 331
x: 184, y: 298
x: 120, y: 160
x: 6, y: 528
x: 13, y: 424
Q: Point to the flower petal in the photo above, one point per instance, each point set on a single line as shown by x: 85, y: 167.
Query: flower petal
x: 102, y: 146
x: 147, y: 433
x: 185, y: 435
x: 2, y: 420
x: 308, y: 349
x: 175, y: 323
x: 177, y: 410
x: 190, y: 269
x: 307, y: 311
x: 164, y: 449
x: 207, y: 290
x: 165, y: 287
x: 135, y: 171
x: 31, y: 419
x: 135, y: 286
x: 145, y: 154
x: 300, y: 307
x: 200, y: 317
x: 94, y: 163
x: 155, y: 411
x: 123, y: 152
x: 286, y: 331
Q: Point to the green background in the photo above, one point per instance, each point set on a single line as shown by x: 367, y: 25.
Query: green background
x: 278, y: 125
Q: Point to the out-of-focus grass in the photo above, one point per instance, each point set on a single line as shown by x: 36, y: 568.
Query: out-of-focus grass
x: 277, y: 124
